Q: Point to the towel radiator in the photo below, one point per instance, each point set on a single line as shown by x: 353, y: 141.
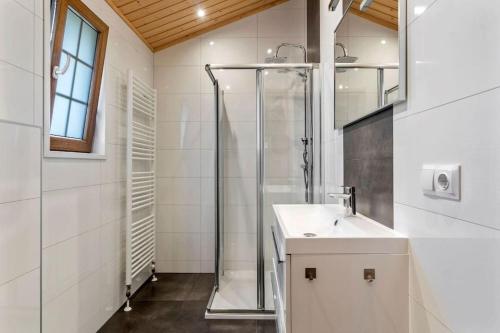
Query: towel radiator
x: 141, y: 176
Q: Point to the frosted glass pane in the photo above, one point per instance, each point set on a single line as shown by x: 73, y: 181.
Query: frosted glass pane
x: 71, y: 32
x: 65, y: 80
x: 59, y: 116
x: 76, y: 123
x: 87, y: 44
x: 83, y: 78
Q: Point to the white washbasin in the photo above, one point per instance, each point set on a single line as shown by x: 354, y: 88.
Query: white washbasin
x: 311, y: 229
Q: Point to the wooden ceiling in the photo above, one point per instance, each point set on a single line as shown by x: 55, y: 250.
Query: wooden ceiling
x: 163, y: 23
x: 383, y: 12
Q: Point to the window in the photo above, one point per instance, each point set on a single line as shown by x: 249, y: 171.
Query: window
x: 78, y: 50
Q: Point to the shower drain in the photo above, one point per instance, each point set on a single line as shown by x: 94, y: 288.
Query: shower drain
x: 309, y: 234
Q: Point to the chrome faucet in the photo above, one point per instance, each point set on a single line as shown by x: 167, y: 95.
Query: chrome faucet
x: 349, y: 199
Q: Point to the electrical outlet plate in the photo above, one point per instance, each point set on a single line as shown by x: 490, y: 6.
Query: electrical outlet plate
x: 441, y: 181
x: 447, y: 181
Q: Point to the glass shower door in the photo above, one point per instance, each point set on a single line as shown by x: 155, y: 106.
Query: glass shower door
x: 264, y: 155
x: 288, y: 136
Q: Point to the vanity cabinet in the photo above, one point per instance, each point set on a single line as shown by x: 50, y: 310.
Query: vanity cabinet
x: 341, y: 291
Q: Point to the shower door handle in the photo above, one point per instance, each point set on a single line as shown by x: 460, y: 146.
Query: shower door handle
x: 276, y: 249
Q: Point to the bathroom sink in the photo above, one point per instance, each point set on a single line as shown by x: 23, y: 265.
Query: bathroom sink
x: 311, y: 229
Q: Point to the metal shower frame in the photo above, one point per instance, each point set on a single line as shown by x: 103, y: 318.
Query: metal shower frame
x: 219, y: 173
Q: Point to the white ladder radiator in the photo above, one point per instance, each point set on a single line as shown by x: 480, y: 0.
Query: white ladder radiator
x: 141, y: 175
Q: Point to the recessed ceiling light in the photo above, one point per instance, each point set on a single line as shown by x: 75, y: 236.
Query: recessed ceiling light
x: 211, y: 43
x: 200, y: 13
x: 356, y: 69
x: 341, y: 87
x: 383, y: 42
x: 228, y: 87
x: 269, y: 51
x: 266, y: 72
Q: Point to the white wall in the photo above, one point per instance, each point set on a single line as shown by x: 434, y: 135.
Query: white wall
x: 84, y: 203
x: 20, y: 150
x: 186, y: 128
x: 452, y: 117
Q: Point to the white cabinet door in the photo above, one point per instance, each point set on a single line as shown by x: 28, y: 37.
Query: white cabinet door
x: 339, y: 300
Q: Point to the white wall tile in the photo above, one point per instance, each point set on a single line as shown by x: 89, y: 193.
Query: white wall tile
x: 436, y: 54
x: 275, y: 22
x: 67, y: 263
x: 423, y: 321
x: 244, y: 28
x: 178, y: 135
x: 469, y: 141
x: 77, y: 309
x: 453, y: 270
x: 178, y: 191
x: 70, y: 212
x: 20, y: 304
x: 113, y: 195
x: 179, y: 163
x: 179, y: 266
x: 229, y: 50
x: 183, y: 54
x: 178, y: 80
x: 113, y: 168
x: 19, y: 238
x: 207, y: 163
x: 178, y: 218
x: 178, y: 246
x: 185, y: 107
x: 38, y: 46
x: 17, y: 48
x: 16, y: 94
x: 66, y: 173
x: 20, y: 150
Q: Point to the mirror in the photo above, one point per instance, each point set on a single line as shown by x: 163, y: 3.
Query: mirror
x: 370, y: 59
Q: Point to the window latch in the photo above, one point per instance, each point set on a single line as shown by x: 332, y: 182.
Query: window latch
x: 56, y: 71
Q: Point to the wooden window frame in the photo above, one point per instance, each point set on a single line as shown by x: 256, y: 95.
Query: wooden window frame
x: 84, y: 145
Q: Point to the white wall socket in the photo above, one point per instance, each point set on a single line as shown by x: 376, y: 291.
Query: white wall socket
x: 441, y: 181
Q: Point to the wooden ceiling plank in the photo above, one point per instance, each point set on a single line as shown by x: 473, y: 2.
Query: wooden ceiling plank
x: 189, y: 15
x: 370, y: 17
x: 193, y: 21
x: 167, y: 40
x: 218, y: 25
x: 124, y: 18
x: 389, y: 3
x: 153, y: 9
x: 136, y: 5
x: 173, y: 13
x: 379, y: 8
x: 119, y: 3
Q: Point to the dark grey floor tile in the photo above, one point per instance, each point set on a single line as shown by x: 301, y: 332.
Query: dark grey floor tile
x: 177, y: 303
x: 169, y: 287
x: 202, y: 288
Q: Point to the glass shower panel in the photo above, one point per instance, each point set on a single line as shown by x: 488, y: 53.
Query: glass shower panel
x: 287, y: 150
x: 237, y: 160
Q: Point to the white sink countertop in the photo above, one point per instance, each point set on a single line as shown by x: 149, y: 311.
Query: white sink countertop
x: 355, y: 234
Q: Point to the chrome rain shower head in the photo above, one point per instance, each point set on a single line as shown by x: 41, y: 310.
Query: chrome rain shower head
x: 345, y: 58
x: 275, y: 60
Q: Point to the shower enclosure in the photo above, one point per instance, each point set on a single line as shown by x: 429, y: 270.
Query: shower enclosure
x: 267, y: 137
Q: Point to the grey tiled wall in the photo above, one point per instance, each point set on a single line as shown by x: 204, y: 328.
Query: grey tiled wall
x: 368, y: 165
